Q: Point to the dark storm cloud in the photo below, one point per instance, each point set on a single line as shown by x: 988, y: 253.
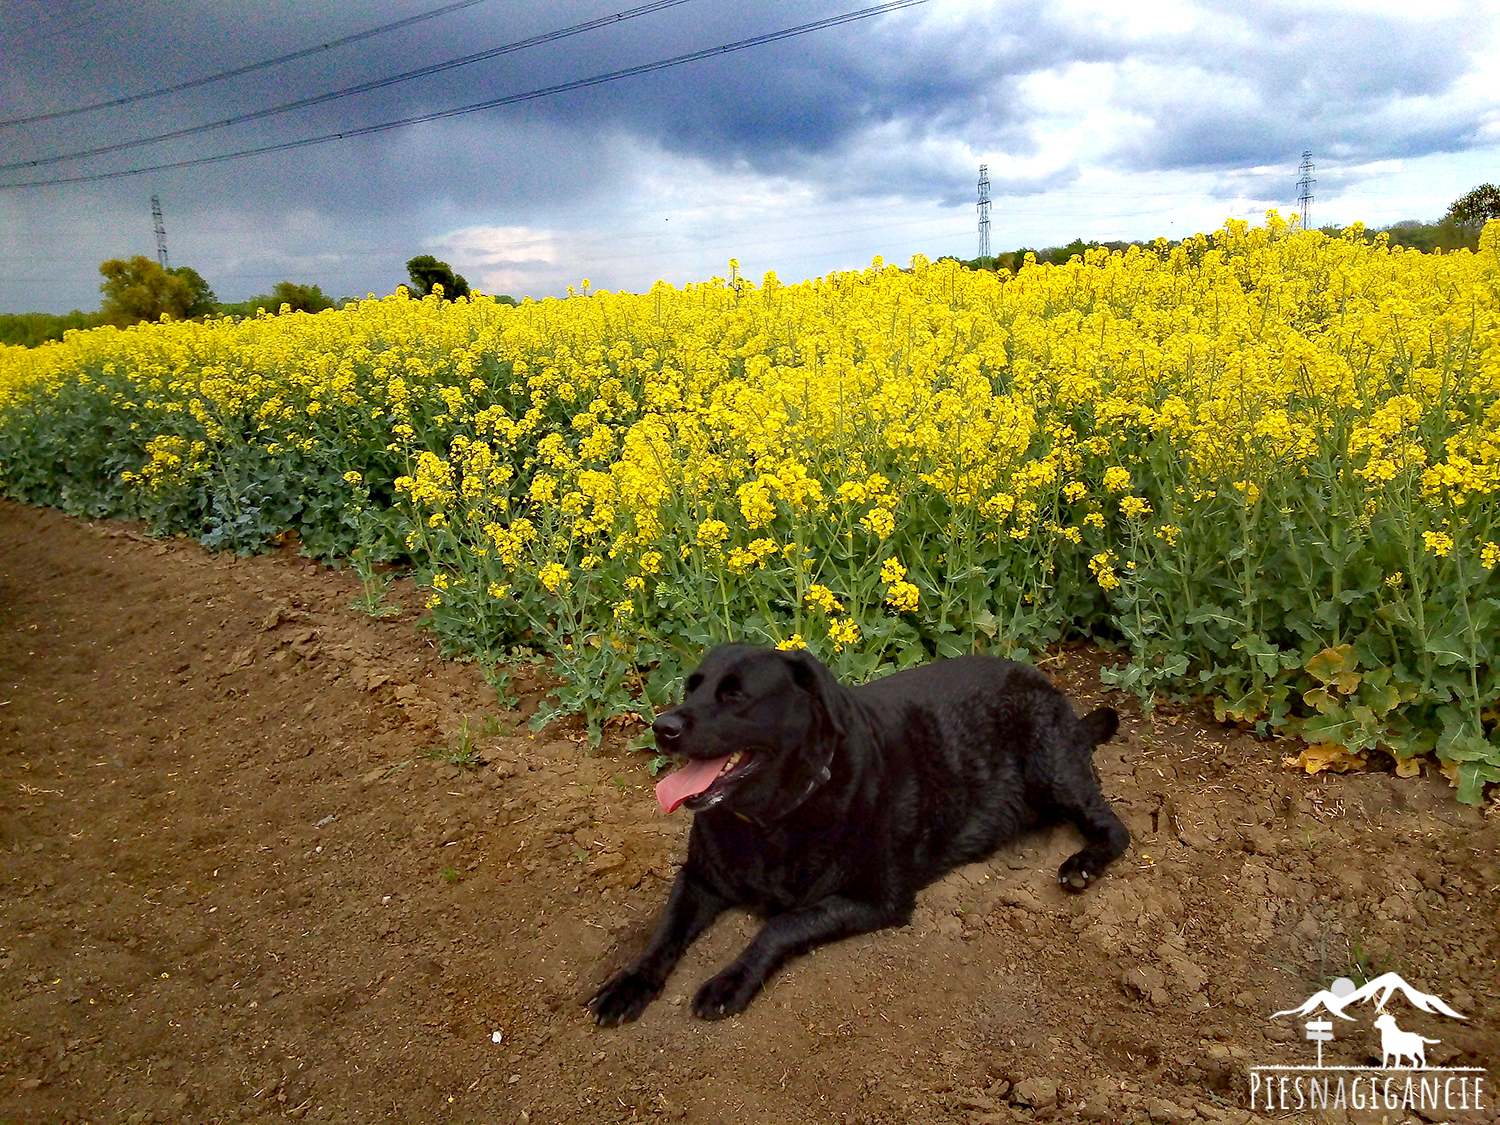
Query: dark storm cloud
x: 1299, y: 79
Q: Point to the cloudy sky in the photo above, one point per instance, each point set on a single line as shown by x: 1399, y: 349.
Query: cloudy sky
x: 807, y: 154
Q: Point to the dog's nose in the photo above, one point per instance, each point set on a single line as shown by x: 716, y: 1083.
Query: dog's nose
x: 668, y: 728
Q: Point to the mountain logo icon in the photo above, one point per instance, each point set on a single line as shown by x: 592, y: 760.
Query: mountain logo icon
x: 1342, y: 994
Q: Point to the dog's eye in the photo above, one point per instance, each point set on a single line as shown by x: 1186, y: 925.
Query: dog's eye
x: 694, y: 681
x: 729, y: 688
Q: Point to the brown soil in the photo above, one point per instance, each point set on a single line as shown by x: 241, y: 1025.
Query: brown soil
x: 233, y: 888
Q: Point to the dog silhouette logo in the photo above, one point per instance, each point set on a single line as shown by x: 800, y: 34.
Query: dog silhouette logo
x: 1396, y: 1044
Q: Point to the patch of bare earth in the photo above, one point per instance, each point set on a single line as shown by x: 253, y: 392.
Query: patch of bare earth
x: 233, y: 889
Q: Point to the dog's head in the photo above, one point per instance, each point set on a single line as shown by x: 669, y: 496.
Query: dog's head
x: 759, y: 728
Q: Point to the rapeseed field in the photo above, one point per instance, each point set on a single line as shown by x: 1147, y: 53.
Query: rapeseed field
x: 1262, y: 465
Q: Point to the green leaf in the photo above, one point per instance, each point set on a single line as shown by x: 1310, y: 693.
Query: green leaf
x: 1472, y: 777
x: 986, y: 623
x: 947, y: 647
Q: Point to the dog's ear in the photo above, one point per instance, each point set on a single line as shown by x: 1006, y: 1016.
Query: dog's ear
x: 812, y: 676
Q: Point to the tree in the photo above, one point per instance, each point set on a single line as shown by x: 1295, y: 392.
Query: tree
x: 302, y: 298
x: 139, y: 289
x: 203, y: 301
x: 1476, y: 206
x: 426, y: 271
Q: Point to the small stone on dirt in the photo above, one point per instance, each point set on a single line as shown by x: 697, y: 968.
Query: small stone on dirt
x: 1038, y: 1093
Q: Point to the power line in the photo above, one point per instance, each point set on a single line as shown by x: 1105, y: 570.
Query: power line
x: 494, y: 103
x: 348, y: 91
x: 248, y: 68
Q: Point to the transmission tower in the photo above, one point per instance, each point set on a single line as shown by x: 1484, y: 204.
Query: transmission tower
x: 161, y: 231
x: 1305, y: 184
x: 984, y: 211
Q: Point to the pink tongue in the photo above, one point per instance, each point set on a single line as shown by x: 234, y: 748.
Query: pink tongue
x: 689, y: 781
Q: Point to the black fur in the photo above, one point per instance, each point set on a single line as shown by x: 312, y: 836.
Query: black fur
x: 853, y: 799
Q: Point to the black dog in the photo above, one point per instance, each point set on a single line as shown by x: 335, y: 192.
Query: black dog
x: 825, y: 808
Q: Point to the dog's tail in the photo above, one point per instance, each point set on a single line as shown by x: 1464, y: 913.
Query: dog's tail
x: 1100, y: 724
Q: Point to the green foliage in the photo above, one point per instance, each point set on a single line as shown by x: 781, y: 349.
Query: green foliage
x: 465, y: 754
x: 1445, y: 236
x: 27, y: 330
x: 300, y: 298
x: 1475, y: 207
x: 427, y: 272
x: 141, y: 290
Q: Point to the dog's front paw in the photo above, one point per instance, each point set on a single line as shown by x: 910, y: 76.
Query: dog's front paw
x: 727, y: 994
x: 1073, y: 876
x: 623, y: 998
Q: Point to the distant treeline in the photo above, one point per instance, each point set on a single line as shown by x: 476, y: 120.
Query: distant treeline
x: 30, y: 329
x: 139, y: 289
x: 1445, y: 235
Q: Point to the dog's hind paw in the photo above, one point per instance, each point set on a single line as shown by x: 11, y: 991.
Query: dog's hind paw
x: 1072, y: 876
x: 623, y: 998
x: 727, y: 994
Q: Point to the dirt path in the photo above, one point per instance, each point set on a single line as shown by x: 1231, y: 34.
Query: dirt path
x: 232, y: 889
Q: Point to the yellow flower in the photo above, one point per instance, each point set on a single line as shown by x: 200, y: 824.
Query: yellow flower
x: 498, y: 590
x: 902, y: 596
x: 1134, y: 507
x: 1104, y: 571
x: 892, y: 571
x: 351, y: 477
x: 879, y: 522
x: 1489, y: 554
x: 543, y: 489
x: 794, y: 641
x: 1438, y: 542
x: 552, y: 576
x: 711, y: 533
x: 756, y: 503
x: 1116, y: 478
x: 824, y: 599
x: 843, y: 633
